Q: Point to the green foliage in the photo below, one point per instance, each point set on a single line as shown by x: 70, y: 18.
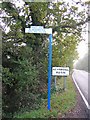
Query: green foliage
x: 64, y: 51
x: 25, y: 67
x: 26, y: 74
x: 61, y: 103
x: 8, y: 77
x: 20, y: 86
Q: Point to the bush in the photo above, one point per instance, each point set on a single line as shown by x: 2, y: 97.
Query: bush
x: 20, y: 86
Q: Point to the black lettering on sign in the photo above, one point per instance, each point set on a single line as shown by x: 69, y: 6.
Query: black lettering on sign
x: 54, y: 69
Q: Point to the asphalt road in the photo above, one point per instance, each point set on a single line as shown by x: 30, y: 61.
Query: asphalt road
x: 81, y: 78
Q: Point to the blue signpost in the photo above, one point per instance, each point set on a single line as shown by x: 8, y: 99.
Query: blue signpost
x: 49, y: 70
x: 40, y: 29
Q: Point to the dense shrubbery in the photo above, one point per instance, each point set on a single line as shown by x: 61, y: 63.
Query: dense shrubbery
x: 17, y: 83
x: 25, y: 66
x: 22, y: 88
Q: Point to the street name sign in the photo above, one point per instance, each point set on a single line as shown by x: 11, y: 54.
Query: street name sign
x: 38, y: 29
x: 60, y: 71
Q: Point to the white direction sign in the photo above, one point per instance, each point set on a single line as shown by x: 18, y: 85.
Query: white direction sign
x: 60, y: 71
x: 38, y: 29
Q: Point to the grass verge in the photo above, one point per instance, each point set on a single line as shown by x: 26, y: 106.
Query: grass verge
x: 61, y: 102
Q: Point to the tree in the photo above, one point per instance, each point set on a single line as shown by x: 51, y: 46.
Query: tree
x: 25, y: 66
x: 64, y: 51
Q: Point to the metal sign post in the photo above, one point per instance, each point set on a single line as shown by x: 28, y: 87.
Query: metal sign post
x: 55, y: 83
x: 64, y: 86
x: 40, y: 29
x: 49, y: 69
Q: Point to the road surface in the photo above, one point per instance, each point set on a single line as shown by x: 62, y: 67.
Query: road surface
x: 82, y: 79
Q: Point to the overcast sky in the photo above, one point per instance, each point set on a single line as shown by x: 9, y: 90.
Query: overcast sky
x: 83, y: 46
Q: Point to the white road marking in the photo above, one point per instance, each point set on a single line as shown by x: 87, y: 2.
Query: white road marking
x: 86, y: 102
